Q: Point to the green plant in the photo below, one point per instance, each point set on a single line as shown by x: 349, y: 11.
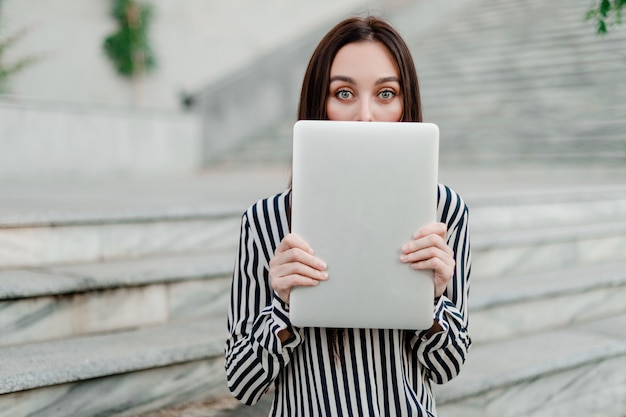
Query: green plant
x: 606, y: 13
x: 9, y: 69
x: 129, y: 48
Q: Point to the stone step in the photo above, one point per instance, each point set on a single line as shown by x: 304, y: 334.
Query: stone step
x: 472, y: 147
x: 45, y: 224
x: 127, y: 238
x: 551, y: 61
x: 497, y: 109
x: 562, y: 37
x: 578, y: 370
x: 561, y: 34
x: 58, y: 244
x: 51, y: 222
x: 542, y: 138
x: 520, y: 94
x: 467, y: 142
x: 116, y: 374
x: 538, y: 90
x: 503, y: 254
x: 482, y: 139
x: 566, y: 372
x: 483, y: 18
x: 537, y: 209
x: 519, y: 305
x: 56, y: 302
x: 524, y: 80
x: 503, y: 101
x: 558, y: 34
x: 60, y: 302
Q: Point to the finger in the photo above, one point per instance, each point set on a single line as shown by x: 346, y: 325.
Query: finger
x: 441, y: 269
x: 297, y: 255
x: 292, y: 241
x: 428, y: 253
x: 439, y: 229
x: 300, y: 269
x: 431, y: 240
x: 285, y: 284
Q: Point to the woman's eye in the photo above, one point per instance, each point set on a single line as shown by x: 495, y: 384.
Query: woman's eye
x: 387, y: 94
x: 344, y: 94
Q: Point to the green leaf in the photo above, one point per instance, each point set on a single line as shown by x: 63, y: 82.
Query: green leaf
x: 129, y: 48
x: 605, y: 7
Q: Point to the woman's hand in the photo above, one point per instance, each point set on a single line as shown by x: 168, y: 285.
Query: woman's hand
x: 294, y: 264
x: 428, y: 250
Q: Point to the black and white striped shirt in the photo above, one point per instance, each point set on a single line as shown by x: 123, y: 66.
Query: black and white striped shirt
x: 376, y: 372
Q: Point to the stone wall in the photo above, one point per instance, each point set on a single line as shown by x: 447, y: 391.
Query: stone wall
x: 197, y: 44
x: 42, y: 142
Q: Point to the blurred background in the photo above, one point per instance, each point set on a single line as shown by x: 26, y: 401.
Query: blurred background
x: 133, y: 134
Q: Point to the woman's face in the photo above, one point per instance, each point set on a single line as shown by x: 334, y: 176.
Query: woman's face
x: 364, y: 84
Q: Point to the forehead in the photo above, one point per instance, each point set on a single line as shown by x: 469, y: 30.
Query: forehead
x: 364, y: 57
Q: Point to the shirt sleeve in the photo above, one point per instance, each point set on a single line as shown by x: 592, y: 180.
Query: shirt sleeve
x: 254, y: 352
x: 444, y: 352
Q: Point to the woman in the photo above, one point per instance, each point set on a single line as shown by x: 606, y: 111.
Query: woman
x: 361, y: 70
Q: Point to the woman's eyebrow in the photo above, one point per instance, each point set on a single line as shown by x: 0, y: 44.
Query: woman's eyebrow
x: 342, y: 78
x: 351, y: 80
x: 387, y: 79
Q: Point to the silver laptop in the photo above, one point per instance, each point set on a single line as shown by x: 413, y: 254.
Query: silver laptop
x: 360, y: 190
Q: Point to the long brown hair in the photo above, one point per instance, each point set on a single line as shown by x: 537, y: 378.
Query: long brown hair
x: 315, y: 85
x: 316, y: 82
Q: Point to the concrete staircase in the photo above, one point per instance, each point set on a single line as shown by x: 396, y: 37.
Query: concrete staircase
x: 508, y: 82
x: 126, y: 314
x: 548, y: 307
x: 120, y: 317
x: 525, y: 80
x: 113, y: 294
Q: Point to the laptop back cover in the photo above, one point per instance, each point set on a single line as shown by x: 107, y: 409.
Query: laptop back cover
x: 360, y: 190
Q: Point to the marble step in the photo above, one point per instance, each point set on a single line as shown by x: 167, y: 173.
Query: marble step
x: 54, y: 302
x: 530, y: 20
x: 536, y: 209
x: 558, y: 373
x: 537, y: 51
x: 516, y: 45
x: 60, y: 302
x: 90, y: 238
x: 116, y: 374
x: 508, y: 253
x: 573, y: 371
x: 467, y: 140
x: 513, y: 77
x: 439, y: 93
x: 568, y: 36
x: 440, y: 104
x: 518, y: 305
x: 40, y: 238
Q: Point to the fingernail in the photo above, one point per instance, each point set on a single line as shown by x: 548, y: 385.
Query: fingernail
x: 404, y: 258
